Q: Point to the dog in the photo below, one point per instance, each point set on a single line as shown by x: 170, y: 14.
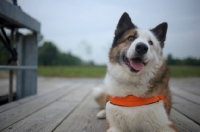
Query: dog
x: 135, y: 96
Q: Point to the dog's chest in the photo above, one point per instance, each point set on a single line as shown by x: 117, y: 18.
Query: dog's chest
x: 142, y: 118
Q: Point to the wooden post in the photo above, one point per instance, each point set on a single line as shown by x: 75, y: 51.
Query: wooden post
x: 10, y: 97
x: 27, y: 56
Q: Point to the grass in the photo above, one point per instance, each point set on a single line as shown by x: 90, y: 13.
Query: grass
x: 184, y: 71
x: 99, y: 71
x: 72, y: 71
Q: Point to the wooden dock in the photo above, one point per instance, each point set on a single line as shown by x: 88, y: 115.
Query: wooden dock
x: 66, y: 105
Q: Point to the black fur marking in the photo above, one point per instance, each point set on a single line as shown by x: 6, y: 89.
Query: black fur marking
x: 123, y: 25
x: 160, y: 32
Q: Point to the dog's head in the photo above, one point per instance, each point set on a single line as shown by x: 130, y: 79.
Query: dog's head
x: 137, y: 50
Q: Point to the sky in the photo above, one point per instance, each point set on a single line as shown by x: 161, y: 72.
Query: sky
x: 86, y: 27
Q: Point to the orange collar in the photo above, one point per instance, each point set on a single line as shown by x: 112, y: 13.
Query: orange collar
x: 132, y: 100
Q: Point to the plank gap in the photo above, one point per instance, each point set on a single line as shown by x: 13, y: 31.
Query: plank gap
x: 174, y: 94
x: 78, y: 105
x: 186, y: 116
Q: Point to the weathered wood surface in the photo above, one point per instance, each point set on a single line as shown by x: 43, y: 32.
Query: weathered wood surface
x: 83, y: 119
x: 11, y: 116
x: 190, y: 109
x: 67, y: 105
x: 183, y: 123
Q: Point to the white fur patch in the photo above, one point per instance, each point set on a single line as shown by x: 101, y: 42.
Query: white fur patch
x: 147, y: 118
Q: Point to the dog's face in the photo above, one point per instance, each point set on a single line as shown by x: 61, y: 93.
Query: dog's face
x: 137, y: 50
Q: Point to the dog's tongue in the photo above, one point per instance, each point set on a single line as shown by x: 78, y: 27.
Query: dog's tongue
x: 136, y: 64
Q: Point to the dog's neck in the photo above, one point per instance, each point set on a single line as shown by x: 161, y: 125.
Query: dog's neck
x: 120, y: 83
x: 119, y: 88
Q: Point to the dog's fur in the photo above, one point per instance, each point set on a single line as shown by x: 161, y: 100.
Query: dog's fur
x: 123, y: 78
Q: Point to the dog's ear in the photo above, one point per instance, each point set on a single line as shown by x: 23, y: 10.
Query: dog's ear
x: 160, y: 31
x: 124, y: 24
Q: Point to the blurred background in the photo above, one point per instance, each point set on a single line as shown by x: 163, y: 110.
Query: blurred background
x: 77, y: 35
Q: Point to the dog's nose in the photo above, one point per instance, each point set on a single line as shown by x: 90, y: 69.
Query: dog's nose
x: 141, y: 48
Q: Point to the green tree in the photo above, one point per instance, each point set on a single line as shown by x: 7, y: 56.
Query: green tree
x: 48, y: 54
x: 189, y: 61
x: 170, y: 60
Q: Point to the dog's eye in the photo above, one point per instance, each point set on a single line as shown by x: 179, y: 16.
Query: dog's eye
x: 131, y: 38
x: 150, y: 42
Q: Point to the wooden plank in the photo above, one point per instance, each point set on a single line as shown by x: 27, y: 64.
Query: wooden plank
x: 45, y: 86
x: 48, y: 118
x: 183, y: 123
x: 16, y: 103
x: 11, y: 116
x: 187, y: 108
x: 51, y: 85
x: 27, y: 99
x: 191, y: 85
x: 195, y: 91
x: 78, y: 94
x: 16, y: 17
x: 188, y: 96
x: 83, y: 119
x: 44, y: 120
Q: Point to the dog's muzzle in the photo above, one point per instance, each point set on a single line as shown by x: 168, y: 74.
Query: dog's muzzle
x: 136, y: 63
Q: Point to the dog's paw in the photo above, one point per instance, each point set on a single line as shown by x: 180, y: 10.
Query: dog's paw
x: 101, y: 114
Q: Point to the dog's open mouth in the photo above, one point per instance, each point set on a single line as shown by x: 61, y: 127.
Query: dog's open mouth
x: 136, y: 64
